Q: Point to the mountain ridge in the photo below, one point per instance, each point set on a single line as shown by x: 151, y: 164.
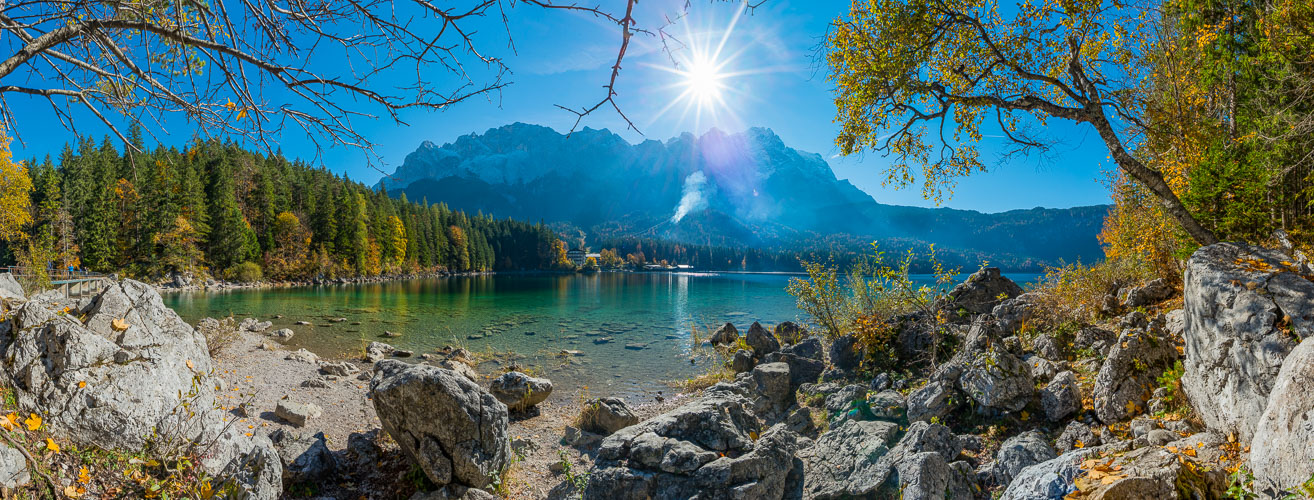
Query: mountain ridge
x: 747, y: 189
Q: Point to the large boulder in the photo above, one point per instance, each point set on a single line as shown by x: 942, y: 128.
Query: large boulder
x: 790, y: 333
x: 998, y: 381
x: 1245, y: 310
x: 979, y: 294
x: 306, y: 459
x: 519, y: 391
x: 708, y: 448
x: 1017, y: 453
x: 1281, y: 456
x: 863, y: 459
x: 845, y: 352
x: 1049, y: 480
x: 933, y: 400
x: 455, y: 431
x: 1013, y: 314
x: 1129, y: 375
x: 804, y: 360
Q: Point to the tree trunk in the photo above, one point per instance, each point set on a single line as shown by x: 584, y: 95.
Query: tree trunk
x: 1151, y: 180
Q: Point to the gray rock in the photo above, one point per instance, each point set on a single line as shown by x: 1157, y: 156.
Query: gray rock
x: 807, y: 348
x: 801, y: 369
x: 1242, y: 318
x: 10, y: 290
x: 13, y: 465
x: 1156, y: 473
x: 297, y: 413
x: 254, y: 325
x: 845, y: 353
x: 790, y: 333
x: 856, y: 460
x: 1095, y: 340
x: 727, y: 334
x: 1017, y: 453
x: 1150, y: 293
x: 306, y: 459
x: 998, y: 381
x: 1281, y: 455
x: 316, y: 383
x: 340, y: 369
x: 1175, y: 323
x: 140, y: 363
x: 519, y: 391
x: 1160, y: 437
x: 979, y: 294
x: 1013, y: 313
x: 1061, y: 397
x: 842, y: 400
x: 460, y: 367
x: 888, y: 405
x: 284, y: 334
x: 1049, y: 347
x: 402, y: 353
x: 772, y: 382
x: 605, y: 416
x: 880, y: 382
x: 1130, y: 373
x: 1042, y: 370
x: 377, y: 351
x: 450, y: 427
x: 761, y: 341
x: 702, y: 449
x: 303, y: 356
x: 1049, y: 480
x: 933, y: 400
x: 1076, y: 436
x: 743, y: 361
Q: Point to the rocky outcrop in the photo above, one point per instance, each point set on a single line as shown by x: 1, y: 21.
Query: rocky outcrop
x: 1245, y: 310
x: 704, y: 449
x: 742, y: 361
x: 845, y: 352
x: 979, y: 294
x: 455, y: 431
x: 862, y: 459
x: 1129, y: 375
x: 1150, y: 293
x: 519, y: 391
x: 1014, y: 313
x: 10, y: 290
x: 1281, y: 456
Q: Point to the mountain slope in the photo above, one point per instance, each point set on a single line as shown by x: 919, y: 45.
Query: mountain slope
x: 717, y: 189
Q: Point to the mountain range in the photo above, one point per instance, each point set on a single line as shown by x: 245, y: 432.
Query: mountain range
x: 718, y: 189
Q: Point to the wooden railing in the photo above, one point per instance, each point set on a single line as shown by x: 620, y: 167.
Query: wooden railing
x: 72, y: 283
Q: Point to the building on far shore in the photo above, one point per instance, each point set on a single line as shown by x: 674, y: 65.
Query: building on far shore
x: 576, y: 256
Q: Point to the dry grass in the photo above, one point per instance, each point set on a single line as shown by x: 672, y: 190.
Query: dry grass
x: 1075, y: 293
x: 718, y: 373
x: 219, y: 336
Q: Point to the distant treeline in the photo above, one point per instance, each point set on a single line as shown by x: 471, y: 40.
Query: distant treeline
x: 214, y: 208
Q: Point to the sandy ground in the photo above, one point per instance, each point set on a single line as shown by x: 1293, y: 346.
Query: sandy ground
x: 256, y: 373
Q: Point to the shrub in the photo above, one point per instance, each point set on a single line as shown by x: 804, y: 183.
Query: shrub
x: 1074, y: 293
x: 218, y: 333
x: 246, y: 272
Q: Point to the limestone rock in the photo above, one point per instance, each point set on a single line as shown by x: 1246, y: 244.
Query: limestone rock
x: 1017, y: 453
x: 10, y: 290
x: 13, y: 465
x: 340, y: 369
x: 1281, y: 455
x: 761, y: 341
x: 801, y: 369
x: 297, y: 413
x: 284, y: 334
x: 1239, y: 299
x: 1150, y: 293
x: 1061, y: 397
x: 933, y: 400
x: 306, y: 459
x: 455, y: 431
x: 605, y: 416
x: 845, y: 353
x: 303, y: 356
x: 519, y: 391
x: 460, y: 367
x: 743, y: 361
x: 1129, y: 375
x: 790, y: 333
x: 1076, y: 436
x: 727, y: 334
x: 861, y: 460
x: 998, y: 381
x: 1013, y: 313
x: 979, y: 294
x: 377, y: 351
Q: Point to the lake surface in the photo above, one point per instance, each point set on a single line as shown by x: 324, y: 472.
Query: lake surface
x: 649, y: 319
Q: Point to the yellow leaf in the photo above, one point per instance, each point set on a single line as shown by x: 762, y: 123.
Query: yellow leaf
x: 82, y: 384
x: 241, y: 113
x: 50, y: 445
x: 1025, y: 415
x: 119, y: 324
x: 1190, y: 452
x: 752, y: 435
x: 1171, y: 449
x: 83, y: 476
x: 190, y: 366
x: 9, y: 421
x: 1078, y: 444
x: 33, y: 422
x: 72, y: 491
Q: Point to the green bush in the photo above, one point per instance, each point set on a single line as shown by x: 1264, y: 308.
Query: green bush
x: 246, y: 272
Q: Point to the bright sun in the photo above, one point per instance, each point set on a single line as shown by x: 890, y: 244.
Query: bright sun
x: 703, y: 81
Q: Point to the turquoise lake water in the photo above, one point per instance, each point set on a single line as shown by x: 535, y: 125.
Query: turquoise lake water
x: 649, y: 319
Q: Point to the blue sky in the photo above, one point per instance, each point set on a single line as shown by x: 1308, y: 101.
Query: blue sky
x: 564, y: 58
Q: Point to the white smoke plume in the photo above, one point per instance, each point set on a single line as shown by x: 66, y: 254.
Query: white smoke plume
x: 694, y: 197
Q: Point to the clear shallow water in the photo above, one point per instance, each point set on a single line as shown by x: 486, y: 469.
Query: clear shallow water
x: 535, y: 316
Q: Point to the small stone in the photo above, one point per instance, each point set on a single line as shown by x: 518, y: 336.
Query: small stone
x: 282, y: 334
x: 316, y: 383
x: 297, y: 413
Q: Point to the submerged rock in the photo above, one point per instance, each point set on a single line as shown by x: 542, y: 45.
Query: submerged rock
x: 450, y: 427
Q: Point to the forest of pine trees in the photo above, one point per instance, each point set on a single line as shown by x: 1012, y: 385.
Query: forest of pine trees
x: 216, y: 209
